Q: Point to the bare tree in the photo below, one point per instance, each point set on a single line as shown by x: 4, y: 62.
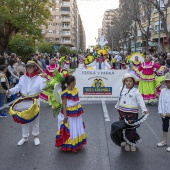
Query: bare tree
x: 140, y: 13
x: 162, y: 9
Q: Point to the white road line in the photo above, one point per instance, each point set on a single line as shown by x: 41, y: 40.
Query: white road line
x: 105, y: 112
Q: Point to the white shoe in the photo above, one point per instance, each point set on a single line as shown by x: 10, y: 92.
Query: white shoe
x: 22, y: 141
x: 161, y: 144
x: 36, y: 141
x: 168, y: 149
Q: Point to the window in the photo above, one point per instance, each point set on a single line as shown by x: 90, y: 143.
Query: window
x: 66, y: 32
x: 50, y: 31
x: 57, y: 32
x: 57, y: 9
x: 57, y: 24
x: 57, y: 17
x: 156, y: 26
x: 66, y: 24
x: 51, y: 40
x: 50, y: 23
x: 67, y: 39
x: 57, y: 39
x: 43, y: 32
x: 57, y: 1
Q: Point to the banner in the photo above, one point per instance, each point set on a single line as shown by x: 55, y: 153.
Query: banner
x: 99, y: 84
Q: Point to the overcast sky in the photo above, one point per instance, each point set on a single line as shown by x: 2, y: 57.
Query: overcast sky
x: 91, y: 12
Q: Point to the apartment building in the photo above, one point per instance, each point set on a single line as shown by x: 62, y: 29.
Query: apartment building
x: 107, y: 22
x: 100, y: 32
x: 63, y: 27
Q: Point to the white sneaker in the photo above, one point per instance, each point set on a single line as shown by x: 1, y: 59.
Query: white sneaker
x: 161, y: 144
x: 36, y: 141
x: 168, y: 149
x: 22, y: 141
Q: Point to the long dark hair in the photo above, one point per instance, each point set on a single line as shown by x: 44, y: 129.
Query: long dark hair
x: 66, y: 81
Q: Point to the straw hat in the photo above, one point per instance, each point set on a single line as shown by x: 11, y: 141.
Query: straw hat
x: 167, y: 78
x: 127, y: 75
x: 30, y: 63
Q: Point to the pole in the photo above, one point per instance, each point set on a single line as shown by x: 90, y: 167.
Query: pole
x: 159, y: 36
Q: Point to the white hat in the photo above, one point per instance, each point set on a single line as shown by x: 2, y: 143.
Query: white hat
x: 127, y: 75
x: 167, y: 78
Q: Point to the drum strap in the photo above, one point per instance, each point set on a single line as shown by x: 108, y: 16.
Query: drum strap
x: 35, y: 96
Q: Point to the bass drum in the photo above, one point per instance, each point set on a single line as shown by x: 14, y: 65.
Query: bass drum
x: 24, y: 110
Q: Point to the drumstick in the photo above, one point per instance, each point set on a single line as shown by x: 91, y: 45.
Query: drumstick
x: 39, y: 67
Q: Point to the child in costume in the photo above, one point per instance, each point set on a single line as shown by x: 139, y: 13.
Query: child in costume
x: 127, y: 107
x: 30, y: 85
x: 164, y: 111
x: 71, y: 134
x: 49, y: 74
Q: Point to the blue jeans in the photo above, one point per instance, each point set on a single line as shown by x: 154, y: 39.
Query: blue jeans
x: 2, y: 101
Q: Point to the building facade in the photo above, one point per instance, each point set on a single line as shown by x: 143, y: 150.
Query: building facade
x: 107, y: 23
x: 64, y: 26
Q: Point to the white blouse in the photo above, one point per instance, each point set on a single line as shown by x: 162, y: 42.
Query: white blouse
x: 164, y: 102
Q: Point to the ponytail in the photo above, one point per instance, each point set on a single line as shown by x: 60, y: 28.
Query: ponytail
x: 66, y: 81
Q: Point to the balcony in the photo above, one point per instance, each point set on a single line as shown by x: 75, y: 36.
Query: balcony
x: 66, y: 19
x: 65, y: 4
x: 65, y: 12
x: 66, y: 27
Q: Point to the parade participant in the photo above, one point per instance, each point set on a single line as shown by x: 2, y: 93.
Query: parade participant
x: 71, y: 135
x: 100, y: 63
x: 66, y: 63
x: 149, y: 84
x: 136, y: 63
x: 164, y: 110
x: 118, y: 59
x: 128, y: 109
x: 113, y: 61
x: 30, y: 85
x: 4, y: 85
x: 90, y: 58
x: 49, y: 73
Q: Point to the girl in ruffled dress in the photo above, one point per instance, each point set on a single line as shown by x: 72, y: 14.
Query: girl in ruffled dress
x: 71, y: 134
x: 128, y: 108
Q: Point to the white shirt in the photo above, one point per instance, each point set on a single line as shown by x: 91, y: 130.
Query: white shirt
x: 164, y: 102
x: 104, y: 65
x: 118, y: 58
x: 130, y: 101
x: 29, y: 86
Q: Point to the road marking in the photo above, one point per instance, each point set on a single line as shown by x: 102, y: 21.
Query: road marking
x: 105, y: 112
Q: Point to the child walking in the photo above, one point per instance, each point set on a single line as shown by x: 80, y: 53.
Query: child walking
x: 127, y: 106
x: 164, y: 110
x: 71, y: 135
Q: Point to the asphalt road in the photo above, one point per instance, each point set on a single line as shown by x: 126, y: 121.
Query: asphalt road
x: 99, y: 154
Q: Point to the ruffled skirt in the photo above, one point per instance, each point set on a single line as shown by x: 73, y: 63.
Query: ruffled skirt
x: 70, y: 136
x: 150, y: 90
x: 149, y: 86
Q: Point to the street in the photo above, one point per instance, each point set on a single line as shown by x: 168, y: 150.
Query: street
x: 100, y: 153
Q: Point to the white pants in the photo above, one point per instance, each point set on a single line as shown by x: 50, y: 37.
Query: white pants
x: 35, y: 128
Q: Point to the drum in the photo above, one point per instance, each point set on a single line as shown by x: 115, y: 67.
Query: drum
x: 24, y: 110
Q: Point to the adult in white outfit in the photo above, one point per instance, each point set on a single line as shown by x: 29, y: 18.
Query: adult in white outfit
x: 30, y: 85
